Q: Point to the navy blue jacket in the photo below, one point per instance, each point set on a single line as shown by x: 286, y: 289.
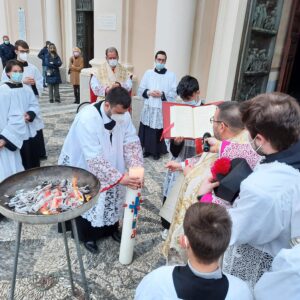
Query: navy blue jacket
x: 42, y: 55
x: 52, y: 73
x: 7, y: 52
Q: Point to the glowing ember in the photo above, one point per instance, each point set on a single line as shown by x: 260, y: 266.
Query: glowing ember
x: 50, y: 197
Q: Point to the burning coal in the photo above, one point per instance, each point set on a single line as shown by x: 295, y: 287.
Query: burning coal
x: 50, y: 197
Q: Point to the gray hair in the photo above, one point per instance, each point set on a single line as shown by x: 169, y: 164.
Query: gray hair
x: 111, y: 49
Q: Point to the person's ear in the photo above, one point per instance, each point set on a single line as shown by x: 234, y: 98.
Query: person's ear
x: 260, y: 140
x: 183, y: 241
x: 222, y: 127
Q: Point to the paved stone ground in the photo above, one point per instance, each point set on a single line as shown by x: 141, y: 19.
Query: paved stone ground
x: 42, y: 270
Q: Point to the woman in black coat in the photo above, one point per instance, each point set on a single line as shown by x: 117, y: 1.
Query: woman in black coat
x: 53, y: 79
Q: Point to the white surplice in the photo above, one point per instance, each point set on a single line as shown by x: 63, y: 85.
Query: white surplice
x: 12, y: 128
x: 159, y: 285
x: 88, y: 146
x: 265, y: 217
x: 152, y: 111
x: 99, y: 89
x: 33, y: 72
x: 283, y: 281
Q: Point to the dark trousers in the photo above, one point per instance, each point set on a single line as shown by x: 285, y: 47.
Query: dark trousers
x: 76, y: 93
x: 165, y: 224
x: 54, y: 91
x: 41, y: 143
x: 30, y: 154
x: 151, y: 140
x: 86, y: 232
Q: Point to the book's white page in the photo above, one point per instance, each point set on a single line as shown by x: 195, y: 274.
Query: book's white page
x: 202, y: 115
x: 182, y: 117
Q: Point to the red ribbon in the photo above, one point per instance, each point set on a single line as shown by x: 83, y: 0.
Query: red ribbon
x: 166, y: 130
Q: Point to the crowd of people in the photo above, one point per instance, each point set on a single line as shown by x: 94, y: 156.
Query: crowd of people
x: 234, y: 236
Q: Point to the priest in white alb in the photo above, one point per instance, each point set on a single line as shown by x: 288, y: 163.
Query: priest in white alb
x: 103, y: 140
x: 157, y: 85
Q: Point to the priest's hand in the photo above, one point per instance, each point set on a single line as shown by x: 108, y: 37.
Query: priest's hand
x: 187, y: 170
x: 116, y: 84
x: 2, y: 143
x: 207, y: 186
x: 27, y: 118
x: 155, y: 94
x: 29, y: 81
x: 132, y: 182
x: 173, y: 166
x: 178, y: 140
x: 214, y: 144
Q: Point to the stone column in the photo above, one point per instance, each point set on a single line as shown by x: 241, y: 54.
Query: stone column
x: 3, y: 21
x: 69, y: 30
x: 52, y: 22
x: 226, y: 49
x: 174, y: 33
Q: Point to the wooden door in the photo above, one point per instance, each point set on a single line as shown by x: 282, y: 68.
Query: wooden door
x: 290, y: 49
x: 89, y: 37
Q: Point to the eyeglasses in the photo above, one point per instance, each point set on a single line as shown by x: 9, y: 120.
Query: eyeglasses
x: 212, y: 120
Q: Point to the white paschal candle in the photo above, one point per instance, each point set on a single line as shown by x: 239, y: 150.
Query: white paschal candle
x: 132, y: 202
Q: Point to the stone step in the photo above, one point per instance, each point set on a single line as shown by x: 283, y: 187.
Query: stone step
x: 66, y: 106
x: 53, y: 113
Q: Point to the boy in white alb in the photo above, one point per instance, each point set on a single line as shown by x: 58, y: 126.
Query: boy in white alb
x: 207, y: 229
x: 17, y: 114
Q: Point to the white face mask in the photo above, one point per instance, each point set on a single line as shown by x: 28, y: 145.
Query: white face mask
x: 76, y: 53
x: 23, y: 56
x: 118, y: 118
x: 113, y: 62
x: 255, y: 147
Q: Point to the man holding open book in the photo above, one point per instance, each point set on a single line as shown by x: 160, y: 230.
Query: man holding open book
x: 227, y: 125
x: 157, y: 85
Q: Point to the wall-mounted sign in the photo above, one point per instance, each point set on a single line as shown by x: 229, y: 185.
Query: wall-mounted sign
x: 22, y: 24
x: 106, y: 22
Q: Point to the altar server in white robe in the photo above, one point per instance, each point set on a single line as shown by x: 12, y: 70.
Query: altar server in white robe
x: 283, y: 281
x: 266, y: 214
x: 207, y: 229
x: 34, y: 150
x: 157, y: 85
x: 17, y: 111
x: 103, y: 140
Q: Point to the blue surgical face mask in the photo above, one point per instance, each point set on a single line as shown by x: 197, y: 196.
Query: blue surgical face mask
x: 159, y: 66
x: 113, y: 62
x: 6, y: 42
x: 192, y: 102
x: 16, y: 77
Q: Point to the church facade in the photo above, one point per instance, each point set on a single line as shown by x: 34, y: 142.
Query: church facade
x: 235, y: 48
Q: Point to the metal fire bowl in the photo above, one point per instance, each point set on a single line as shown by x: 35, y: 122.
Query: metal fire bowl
x: 31, y: 178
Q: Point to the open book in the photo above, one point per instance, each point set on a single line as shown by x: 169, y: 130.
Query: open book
x: 191, y: 122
